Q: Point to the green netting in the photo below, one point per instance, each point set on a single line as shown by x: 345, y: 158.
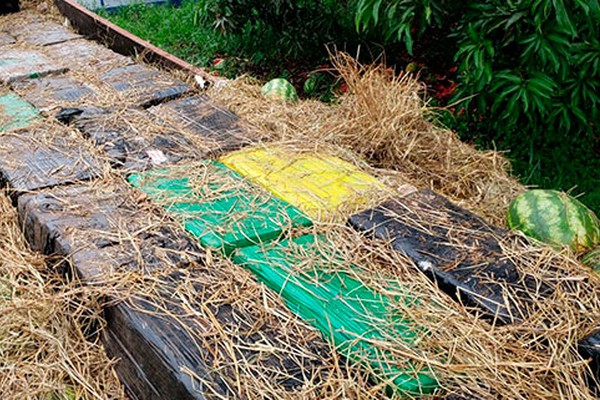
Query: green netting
x: 218, y: 207
x: 15, y: 112
x: 359, y: 321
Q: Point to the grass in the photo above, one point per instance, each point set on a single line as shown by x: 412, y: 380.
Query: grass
x: 174, y: 30
x: 570, y: 167
x: 256, y: 48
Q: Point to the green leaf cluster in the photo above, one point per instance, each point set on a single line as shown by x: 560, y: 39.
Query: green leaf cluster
x: 533, y: 65
x: 528, y: 77
x: 404, y: 20
x: 529, y: 71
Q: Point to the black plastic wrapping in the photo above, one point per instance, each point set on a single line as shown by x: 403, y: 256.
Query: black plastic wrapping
x: 36, y: 159
x: 102, y: 230
x: 202, y: 117
x: 143, y: 86
x: 9, y: 6
x: 457, y: 249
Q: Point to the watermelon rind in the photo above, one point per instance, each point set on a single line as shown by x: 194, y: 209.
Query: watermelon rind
x: 279, y: 89
x: 554, y: 218
x: 310, y: 84
x: 592, y: 259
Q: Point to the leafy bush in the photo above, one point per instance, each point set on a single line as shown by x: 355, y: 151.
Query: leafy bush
x: 271, y: 30
x: 405, y: 20
x: 532, y: 69
x: 528, y: 74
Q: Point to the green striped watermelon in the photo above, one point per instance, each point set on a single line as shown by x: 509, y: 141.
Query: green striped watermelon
x: 279, y: 89
x: 592, y: 259
x: 555, y: 218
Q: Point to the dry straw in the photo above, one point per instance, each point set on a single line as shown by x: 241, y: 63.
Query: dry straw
x: 384, y: 119
x: 246, y: 334
x: 536, y: 358
x: 49, y: 153
x: 253, y: 346
x: 43, y: 350
x: 471, y: 355
x: 249, y: 338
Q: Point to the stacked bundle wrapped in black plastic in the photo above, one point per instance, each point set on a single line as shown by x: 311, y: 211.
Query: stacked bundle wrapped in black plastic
x: 9, y: 6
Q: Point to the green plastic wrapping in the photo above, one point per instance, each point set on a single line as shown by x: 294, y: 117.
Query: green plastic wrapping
x: 353, y: 317
x: 224, y: 218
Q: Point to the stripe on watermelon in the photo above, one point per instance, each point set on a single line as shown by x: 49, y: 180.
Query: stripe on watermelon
x: 580, y: 220
x: 554, y: 217
x: 520, y: 215
x: 563, y: 229
x: 592, y: 223
x: 592, y: 259
x: 546, y: 213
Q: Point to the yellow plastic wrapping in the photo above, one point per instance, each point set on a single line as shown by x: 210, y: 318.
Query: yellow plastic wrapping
x: 322, y: 186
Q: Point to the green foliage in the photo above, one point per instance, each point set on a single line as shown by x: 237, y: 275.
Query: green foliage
x: 533, y: 68
x: 404, y: 20
x: 249, y: 35
x: 268, y: 31
x: 172, y: 29
x: 324, y: 86
x: 528, y: 78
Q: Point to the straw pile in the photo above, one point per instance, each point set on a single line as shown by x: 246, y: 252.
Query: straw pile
x: 536, y: 359
x: 468, y: 354
x: 44, y: 353
x: 248, y: 337
x: 558, y: 299
x: 385, y: 120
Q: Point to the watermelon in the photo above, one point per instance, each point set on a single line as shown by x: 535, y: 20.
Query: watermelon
x: 555, y: 218
x: 279, y: 89
x: 592, y: 259
x: 311, y: 83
